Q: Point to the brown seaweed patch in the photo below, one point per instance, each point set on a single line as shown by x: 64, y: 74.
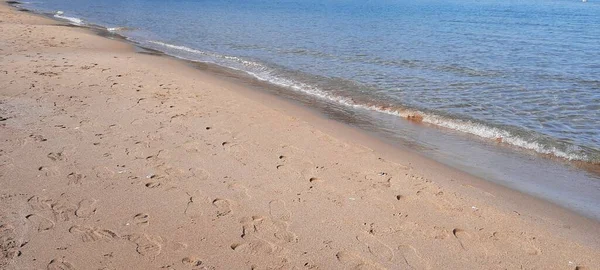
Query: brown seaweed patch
x: 415, y: 117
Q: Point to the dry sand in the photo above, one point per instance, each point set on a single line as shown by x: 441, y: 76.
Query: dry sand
x: 112, y: 159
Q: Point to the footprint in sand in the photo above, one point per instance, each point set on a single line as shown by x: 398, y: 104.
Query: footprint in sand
x: 90, y: 234
x: 255, y: 247
x: 86, y: 208
x: 146, y: 246
x: 439, y: 233
x: 237, y: 151
x: 283, y: 233
x: 193, y: 209
x: 40, y: 223
x: 49, y: 171
x: 63, y: 210
x: 250, y: 225
x: 530, y: 248
x: 39, y: 204
x: 279, y: 211
x: 103, y: 173
x: 9, y: 246
x: 58, y: 156
x: 352, y: 260
x: 191, y: 261
x: 141, y: 219
x: 75, y: 178
x: 37, y: 138
x: 412, y: 258
x: 223, y: 207
x: 240, y: 190
x: 193, y: 146
x: 376, y: 247
x: 60, y: 264
x: 199, y: 174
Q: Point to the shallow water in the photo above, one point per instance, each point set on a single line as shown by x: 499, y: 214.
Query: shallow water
x: 525, y: 74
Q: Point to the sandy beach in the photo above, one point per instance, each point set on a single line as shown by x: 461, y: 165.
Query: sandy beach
x: 115, y: 159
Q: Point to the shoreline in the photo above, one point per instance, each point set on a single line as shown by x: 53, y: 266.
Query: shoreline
x: 499, y: 159
x: 468, y: 188
x: 585, y: 158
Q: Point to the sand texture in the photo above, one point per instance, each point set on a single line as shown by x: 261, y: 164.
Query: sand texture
x: 112, y: 159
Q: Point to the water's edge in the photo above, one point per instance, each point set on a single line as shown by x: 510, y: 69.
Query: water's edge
x: 514, y: 136
x: 416, y: 121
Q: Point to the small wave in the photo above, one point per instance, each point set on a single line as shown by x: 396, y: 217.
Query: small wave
x: 214, y: 55
x: 486, y: 131
x: 76, y: 21
x: 177, y: 47
x: 119, y: 29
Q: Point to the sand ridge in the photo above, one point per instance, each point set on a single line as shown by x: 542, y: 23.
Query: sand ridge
x: 115, y: 160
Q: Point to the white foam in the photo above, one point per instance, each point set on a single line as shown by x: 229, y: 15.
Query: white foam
x: 264, y: 73
x: 177, y: 47
x: 73, y: 20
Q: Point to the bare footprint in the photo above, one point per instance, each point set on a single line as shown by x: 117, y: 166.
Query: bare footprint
x: 146, y: 246
x: 86, y: 208
x: 90, y: 234
x: 279, y: 211
x: 376, y: 247
x: 199, y: 174
x: 193, y: 209
x: 60, y: 264
x: 38, y: 203
x: 255, y: 247
x: 223, y: 207
x: 58, y: 156
x: 412, y: 258
x: 141, y: 219
x: 63, y: 210
x: 286, y: 236
x: 40, y: 223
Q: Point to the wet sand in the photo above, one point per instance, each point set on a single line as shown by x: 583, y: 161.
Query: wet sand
x: 112, y: 159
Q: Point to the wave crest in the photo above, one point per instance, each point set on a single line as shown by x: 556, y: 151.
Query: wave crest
x: 73, y: 20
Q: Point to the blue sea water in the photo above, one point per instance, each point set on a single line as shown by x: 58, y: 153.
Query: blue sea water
x: 526, y: 73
